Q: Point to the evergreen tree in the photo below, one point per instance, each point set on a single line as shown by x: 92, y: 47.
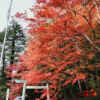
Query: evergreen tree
x: 15, y: 44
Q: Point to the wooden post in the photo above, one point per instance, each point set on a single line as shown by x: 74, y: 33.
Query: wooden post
x: 23, y: 93
x: 7, y: 94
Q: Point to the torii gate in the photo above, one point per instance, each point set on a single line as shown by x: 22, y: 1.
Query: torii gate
x: 28, y: 87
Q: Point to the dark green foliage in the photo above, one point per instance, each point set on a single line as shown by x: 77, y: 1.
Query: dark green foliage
x: 15, y: 44
x: 3, y: 86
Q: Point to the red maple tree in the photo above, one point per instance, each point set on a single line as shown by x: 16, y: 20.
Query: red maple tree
x: 63, y: 39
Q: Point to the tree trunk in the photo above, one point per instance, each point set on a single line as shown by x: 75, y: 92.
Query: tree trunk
x: 12, y: 51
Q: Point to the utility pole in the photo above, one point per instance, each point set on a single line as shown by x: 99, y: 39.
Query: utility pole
x: 4, y: 41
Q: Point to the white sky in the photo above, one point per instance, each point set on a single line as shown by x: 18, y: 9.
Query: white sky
x: 18, y: 5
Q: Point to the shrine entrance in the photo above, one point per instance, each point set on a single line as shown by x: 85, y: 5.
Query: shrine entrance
x: 28, y: 92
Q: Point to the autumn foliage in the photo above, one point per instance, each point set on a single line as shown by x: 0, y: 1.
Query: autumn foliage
x: 61, y: 46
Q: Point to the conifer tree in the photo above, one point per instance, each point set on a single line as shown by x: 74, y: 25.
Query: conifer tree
x: 15, y: 45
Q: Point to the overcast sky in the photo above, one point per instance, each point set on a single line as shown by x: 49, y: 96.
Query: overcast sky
x: 18, y: 5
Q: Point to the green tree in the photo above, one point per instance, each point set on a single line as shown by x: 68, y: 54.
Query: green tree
x: 15, y: 44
